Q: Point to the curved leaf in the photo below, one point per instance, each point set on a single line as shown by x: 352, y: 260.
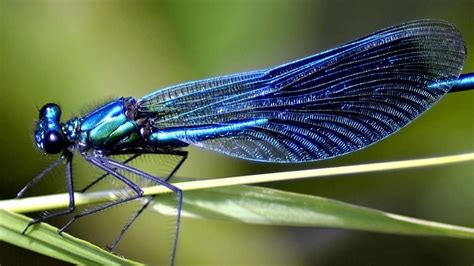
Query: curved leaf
x: 44, y: 239
x: 260, y: 205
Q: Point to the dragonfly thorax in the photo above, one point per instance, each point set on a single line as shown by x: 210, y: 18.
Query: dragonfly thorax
x: 113, y: 127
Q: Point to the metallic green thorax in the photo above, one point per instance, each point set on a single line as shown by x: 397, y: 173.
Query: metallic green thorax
x: 111, y: 126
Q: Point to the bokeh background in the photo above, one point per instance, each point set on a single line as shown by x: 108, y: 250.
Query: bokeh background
x: 79, y: 53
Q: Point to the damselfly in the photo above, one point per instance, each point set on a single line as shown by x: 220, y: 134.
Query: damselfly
x: 318, y: 107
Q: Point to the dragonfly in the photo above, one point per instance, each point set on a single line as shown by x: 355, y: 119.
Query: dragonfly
x: 322, y: 106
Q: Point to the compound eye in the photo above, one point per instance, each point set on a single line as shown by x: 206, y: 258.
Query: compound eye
x: 53, y: 142
x: 50, y: 111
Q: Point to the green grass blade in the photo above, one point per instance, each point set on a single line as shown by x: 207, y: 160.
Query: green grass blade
x: 58, y: 201
x: 259, y: 205
x: 43, y: 238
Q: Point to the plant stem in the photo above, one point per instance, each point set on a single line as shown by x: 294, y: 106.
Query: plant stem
x: 57, y: 201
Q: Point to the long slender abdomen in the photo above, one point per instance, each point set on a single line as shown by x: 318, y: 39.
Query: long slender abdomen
x: 463, y: 83
x: 199, y: 133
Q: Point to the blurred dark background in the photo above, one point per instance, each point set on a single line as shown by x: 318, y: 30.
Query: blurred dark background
x: 80, y: 53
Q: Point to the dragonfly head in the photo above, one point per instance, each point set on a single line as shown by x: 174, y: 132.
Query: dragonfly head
x: 49, y: 136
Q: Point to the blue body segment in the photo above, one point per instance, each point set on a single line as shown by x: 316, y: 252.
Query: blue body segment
x: 111, y: 111
x: 464, y: 82
x: 110, y: 127
x: 48, y: 134
x: 51, y: 113
x: 202, y: 132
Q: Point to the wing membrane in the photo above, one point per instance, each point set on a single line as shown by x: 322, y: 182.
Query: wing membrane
x: 318, y: 107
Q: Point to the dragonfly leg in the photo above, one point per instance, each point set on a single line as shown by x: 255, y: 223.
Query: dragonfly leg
x: 70, y: 189
x: 37, y: 178
x: 101, y: 165
x: 98, y: 179
x: 184, y: 156
x: 171, y: 187
x: 129, y: 223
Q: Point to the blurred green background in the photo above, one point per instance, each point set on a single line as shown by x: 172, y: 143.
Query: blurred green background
x: 79, y: 53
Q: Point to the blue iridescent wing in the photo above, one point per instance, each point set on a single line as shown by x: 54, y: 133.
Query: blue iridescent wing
x: 318, y: 107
